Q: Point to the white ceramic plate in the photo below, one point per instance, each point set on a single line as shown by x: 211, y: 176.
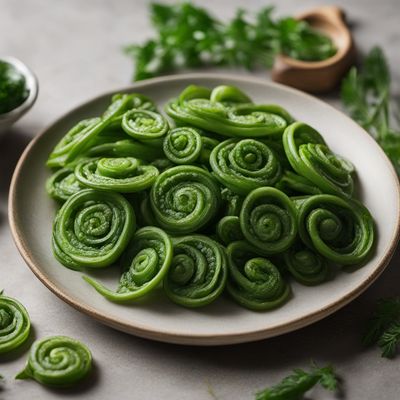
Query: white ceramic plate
x: 224, y: 322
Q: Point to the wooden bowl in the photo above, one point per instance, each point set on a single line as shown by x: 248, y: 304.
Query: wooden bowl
x: 319, y: 76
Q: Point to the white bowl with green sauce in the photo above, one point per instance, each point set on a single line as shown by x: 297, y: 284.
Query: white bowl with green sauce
x: 18, y: 91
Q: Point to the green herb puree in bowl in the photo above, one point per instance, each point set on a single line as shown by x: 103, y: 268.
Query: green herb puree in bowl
x: 13, y: 90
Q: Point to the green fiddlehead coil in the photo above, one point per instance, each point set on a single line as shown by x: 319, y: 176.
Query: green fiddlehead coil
x: 268, y: 220
x: 198, y: 272
x: 183, y: 145
x: 341, y: 230
x: 126, y: 148
x: 15, y: 324
x: 197, y: 107
x: 92, y: 229
x: 254, y: 282
x: 293, y: 183
x: 144, y: 125
x: 81, y: 136
x: 60, y: 152
x: 244, y: 165
x: 310, y: 157
x: 57, y: 361
x: 305, y: 265
x: 145, y: 263
x: 137, y: 101
x: 228, y: 229
x: 121, y: 174
x: 184, y: 199
x: 63, y: 184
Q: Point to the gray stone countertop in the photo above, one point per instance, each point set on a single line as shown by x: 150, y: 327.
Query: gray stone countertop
x: 74, y: 47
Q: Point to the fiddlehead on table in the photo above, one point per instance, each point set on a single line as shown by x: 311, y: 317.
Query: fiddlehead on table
x: 14, y: 324
x: 57, y: 361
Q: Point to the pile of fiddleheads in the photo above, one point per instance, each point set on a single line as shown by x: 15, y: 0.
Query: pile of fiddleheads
x: 224, y: 193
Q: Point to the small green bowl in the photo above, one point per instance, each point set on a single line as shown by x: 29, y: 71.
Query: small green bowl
x: 8, y: 119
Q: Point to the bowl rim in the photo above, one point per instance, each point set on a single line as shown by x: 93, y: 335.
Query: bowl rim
x: 194, y: 338
x: 32, y: 84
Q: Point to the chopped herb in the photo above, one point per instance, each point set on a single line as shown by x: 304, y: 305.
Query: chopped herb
x: 188, y: 36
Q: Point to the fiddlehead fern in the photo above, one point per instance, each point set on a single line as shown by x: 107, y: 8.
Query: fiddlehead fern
x: 198, y: 272
x: 144, y: 125
x: 57, y: 361
x: 126, y: 148
x: 194, y: 107
x: 244, y: 165
x: 82, y: 135
x: 183, y: 145
x: 268, y: 220
x: 310, y: 157
x: 305, y: 265
x: 340, y: 230
x: 184, y: 199
x: 254, y: 282
x: 145, y: 263
x: 121, y: 174
x: 92, y: 229
x: 293, y: 183
x: 63, y: 184
x: 14, y: 324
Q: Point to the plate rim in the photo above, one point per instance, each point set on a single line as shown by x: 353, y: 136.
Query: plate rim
x: 193, y: 338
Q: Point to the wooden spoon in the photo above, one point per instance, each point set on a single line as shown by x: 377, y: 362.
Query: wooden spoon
x: 319, y: 76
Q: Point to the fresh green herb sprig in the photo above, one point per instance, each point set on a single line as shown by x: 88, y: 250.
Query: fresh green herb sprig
x: 189, y: 36
x: 13, y: 91
x: 384, y: 327
x: 366, y: 95
x: 297, y: 384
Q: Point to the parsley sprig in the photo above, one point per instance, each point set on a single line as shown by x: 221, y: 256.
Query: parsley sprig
x: 366, y: 95
x: 299, y: 382
x: 188, y: 36
x: 384, y: 327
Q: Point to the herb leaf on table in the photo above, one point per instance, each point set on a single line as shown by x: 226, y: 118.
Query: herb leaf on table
x: 188, y: 36
x: 384, y: 327
x: 365, y: 93
x: 299, y: 382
